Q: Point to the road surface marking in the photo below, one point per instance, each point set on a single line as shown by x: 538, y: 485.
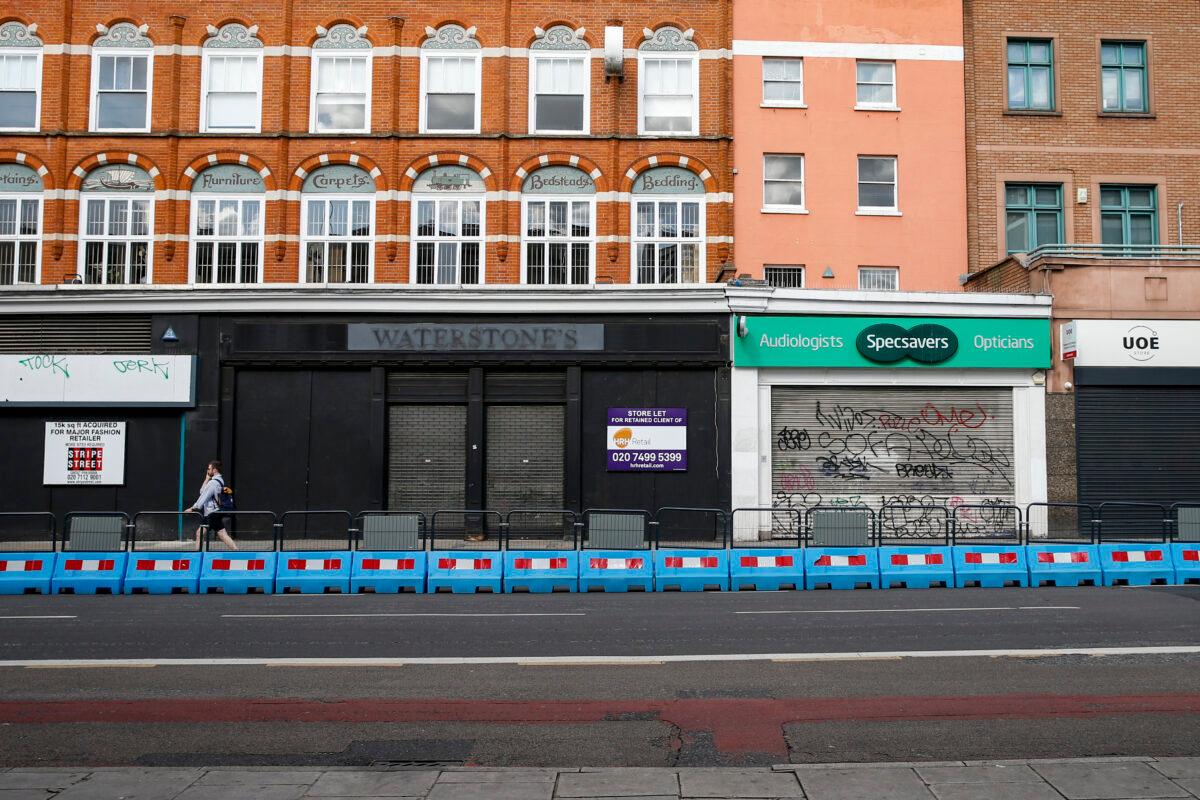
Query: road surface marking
x: 43, y: 616
x: 914, y: 610
x: 340, y: 615
x: 606, y: 660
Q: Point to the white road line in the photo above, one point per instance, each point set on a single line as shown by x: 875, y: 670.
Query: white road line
x: 44, y: 616
x: 341, y: 615
x: 913, y: 610
x: 599, y: 660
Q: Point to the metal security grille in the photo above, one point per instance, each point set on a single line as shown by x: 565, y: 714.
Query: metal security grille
x: 525, y: 457
x: 785, y: 277
x: 109, y: 333
x: 853, y: 446
x: 427, y: 451
x: 1138, y: 443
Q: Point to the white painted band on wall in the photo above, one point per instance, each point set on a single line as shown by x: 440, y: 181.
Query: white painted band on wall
x: 887, y: 52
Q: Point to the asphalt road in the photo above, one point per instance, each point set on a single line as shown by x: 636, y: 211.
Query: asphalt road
x: 616, y: 710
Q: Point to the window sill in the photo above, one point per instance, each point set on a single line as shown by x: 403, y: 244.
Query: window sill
x: 1128, y: 114
x: 878, y: 212
x: 877, y: 108
x: 783, y: 105
x: 20, y: 130
x: 783, y: 210
x: 339, y: 133
x: 1012, y: 112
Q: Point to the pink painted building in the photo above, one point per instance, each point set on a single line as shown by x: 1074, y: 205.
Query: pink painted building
x: 849, y: 143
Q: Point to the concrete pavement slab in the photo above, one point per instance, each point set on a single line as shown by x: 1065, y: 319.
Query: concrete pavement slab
x: 374, y: 784
x: 242, y: 792
x: 733, y: 783
x: 990, y: 773
x: 995, y: 791
x: 496, y: 776
x: 492, y: 791
x: 1187, y: 767
x: 30, y: 779
x: 619, y: 783
x: 26, y: 794
x: 132, y: 784
x: 1191, y: 785
x: 854, y: 784
x: 1111, y: 781
x: 257, y: 777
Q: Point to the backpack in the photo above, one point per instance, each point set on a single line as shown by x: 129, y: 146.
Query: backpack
x: 225, y: 498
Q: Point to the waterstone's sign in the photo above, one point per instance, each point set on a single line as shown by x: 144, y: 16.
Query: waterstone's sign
x: 559, y: 180
x: 668, y: 180
x: 647, y: 439
x: 1136, y: 343
x: 84, y: 453
x: 480, y: 337
x: 229, y: 179
x: 968, y: 342
x: 339, y: 179
x: 19, y: 178
x: 449, y: 179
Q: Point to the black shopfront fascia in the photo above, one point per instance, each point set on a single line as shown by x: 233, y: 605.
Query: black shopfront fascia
x: 301, y: 416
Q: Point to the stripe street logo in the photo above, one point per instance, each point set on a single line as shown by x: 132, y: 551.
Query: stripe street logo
x: 928, y: 343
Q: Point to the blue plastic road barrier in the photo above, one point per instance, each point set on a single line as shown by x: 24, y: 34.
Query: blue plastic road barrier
x: 162, y: 573
x: 388, y: 572
x: 238, y: 572
x: 1186, y: 557
x: 1128, y: 564
x: 766, y: 570
x: 841, y: 567
x: 1063, y: 564
x: 313, y: 572
x: 26, y: 573
x: 465, y: 572
x: 541, y: 571
x: 990, y: 566
x: 912, y: 567
x: 89, y: 573
x: 691, y: 570
x: 616, y: 571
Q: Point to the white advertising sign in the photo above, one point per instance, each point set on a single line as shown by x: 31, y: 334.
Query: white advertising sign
x: 91, y: 380
x: 1137, y: 343
x: 1068, y: 341
x: 84, y: 453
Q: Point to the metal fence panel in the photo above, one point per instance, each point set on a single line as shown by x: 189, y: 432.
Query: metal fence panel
x: 541, y: 529
x: 986, y: 523
x: 617, y: 529
x: 1068, y: 523
x: 28, y: 532
x: 98, y: 531
x: 391, y: 531
x: 174, y: 531
x: 251, y: 531
x: 905, y: 523
x: 766, y: 527
x: 840, y: 526
x: 692, y: 528
x: 315, y: 530
x: 1186, y: 522
x: 1127, y: 521
x: 466, y: 529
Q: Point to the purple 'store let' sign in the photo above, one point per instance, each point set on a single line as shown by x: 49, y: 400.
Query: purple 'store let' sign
x: 647, y: 439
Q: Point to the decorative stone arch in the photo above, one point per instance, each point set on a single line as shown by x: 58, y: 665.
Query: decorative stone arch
x: 233, y: 35
x: 668, y: 37
x: 124, y: 34
x: 668, y: 160
x: 202, y: 163
x: 560, y: 37
x: 450, y: 36
x: 423, y: 163
x: 80, y: 171
x: 558, y: 160
x: 341, y: 36
x: 296, y: 181
x: 31, y: 161
x: 14, y: 33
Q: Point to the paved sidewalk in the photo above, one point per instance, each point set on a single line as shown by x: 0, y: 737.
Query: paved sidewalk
x: 1073, y: 779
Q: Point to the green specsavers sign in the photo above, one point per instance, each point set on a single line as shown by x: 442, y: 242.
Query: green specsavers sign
x: 891, y: 342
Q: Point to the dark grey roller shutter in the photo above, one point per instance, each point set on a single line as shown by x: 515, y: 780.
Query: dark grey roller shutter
x: 1139, y: 443
x: 427, y: 451
x: 942, y: 446
x: 525, y: 451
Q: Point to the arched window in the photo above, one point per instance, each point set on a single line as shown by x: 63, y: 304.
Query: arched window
x: 668, y: 83
x: 20, y: 77
x: 340, y: 101
x: 20, y: 224
x: 558, y: 226
x: 122, y: 78
x: 228, y: 203
x: 451, y: 67
x: 231, y: 80
x: 337, y: 225
x: 668, y: 226
x: 448, y: 226
x: 560, y: 79
x: 116, y: 224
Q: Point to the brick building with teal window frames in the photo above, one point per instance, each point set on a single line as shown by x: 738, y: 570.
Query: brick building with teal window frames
x: 1031, y: 74
x: 1033, y: 216
x: 1129, y: 214
x: 1123, y: 79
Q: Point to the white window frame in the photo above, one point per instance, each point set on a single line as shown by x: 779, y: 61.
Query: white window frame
x: 536, y: 56
x: 782, y: 103
x: 216, y: 238
x: 84, y: 237
x: 890, y: 270
x: 317, y: 55
x: 569, y: 199
x: 37, y: 102
x: 778, y: 208
x: 306, y: 198
x: 656, y: 55
x: 878, y: 211
x: 414, y: 241
x: 210, y: 53
x: 701, y: 237
x: 424, y: 83
x: 100, y: 52
x: 19, y: 238
x: 892, y: 106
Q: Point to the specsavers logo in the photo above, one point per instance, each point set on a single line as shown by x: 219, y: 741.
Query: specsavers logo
x: 928, y: 343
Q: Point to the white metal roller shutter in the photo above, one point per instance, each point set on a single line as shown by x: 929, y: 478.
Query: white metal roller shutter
x: 867, y: 447
x: 427, y: 458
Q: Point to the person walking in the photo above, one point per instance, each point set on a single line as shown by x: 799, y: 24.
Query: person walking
x: 209, y: 505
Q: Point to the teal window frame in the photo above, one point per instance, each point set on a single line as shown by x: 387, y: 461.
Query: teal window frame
x: 1116, y: 60
x: 1128, y: 212
x: 1028, y: 67
x: 1033, y: 209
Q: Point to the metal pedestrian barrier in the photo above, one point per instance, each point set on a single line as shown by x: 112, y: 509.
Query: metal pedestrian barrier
x: 988, y: 546
x: 1134, y: 544
x: 314, y: 555
x: 765, y: 552
x: 842, y: 554
x: 465, y: 551
x: 914, y: 550
x: 615, y: 553
x: 541, y: 551
x: 27, y: 545
x: 251, y: 567
x: 1185, y: 522
x: 94, y: 553
x: 391, y: 553
x: 165, y: 553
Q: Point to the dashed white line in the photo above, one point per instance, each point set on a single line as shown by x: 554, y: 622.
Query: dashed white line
x: 42, y: 616
x: 912, y: 610
x: 320, y: 616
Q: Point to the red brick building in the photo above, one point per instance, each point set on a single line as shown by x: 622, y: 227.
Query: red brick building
x: 330, y: 131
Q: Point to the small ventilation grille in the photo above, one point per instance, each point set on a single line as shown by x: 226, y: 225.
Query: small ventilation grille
x: 108, y: 333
